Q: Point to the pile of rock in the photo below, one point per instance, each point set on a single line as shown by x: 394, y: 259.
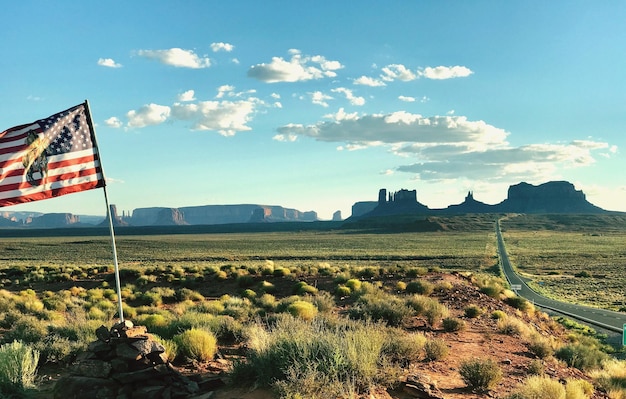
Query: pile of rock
x: 125, y: 362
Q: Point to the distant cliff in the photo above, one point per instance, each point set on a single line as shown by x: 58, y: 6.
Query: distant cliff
x: 217, y: 214
x: 550, y: 197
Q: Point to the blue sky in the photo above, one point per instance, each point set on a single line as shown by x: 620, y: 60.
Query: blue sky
x: 318, y: 105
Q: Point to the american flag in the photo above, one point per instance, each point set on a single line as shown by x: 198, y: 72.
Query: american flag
x: 50, y: 157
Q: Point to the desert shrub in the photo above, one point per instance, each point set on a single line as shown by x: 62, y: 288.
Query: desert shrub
x: 513, y: 326
x: 420, y: 287
x: 611, y: 377
x: 402, y: 347
x: 302, y: 288
x: 536, y: 367
x: 416, y: 271
x: 539, y: 387
x: 540, y: 346
x: 281, y: 272
x: 435, y: 312
x: 170, y: 346
x: 303, y: 310
x: 27, y: 329
x: 267, y: 302
x: 498, y: 315
x: 491, y: 290
x: 239, y: 308
x: 381, y: 307
x: 581, y: 356
x: 245, y: 280
x: 401, y: 286
x: 443, y: 286
x: 578, y: 389
x: 480, y: 375
x: 473, y: 311
x: 266, y: 287
x: 323, y: 301
x: 248, y: 293
x: 18, y: 368
x: 451, y: 324
x: 225, y: 328
x: 436, y: 349
x: 213, y: 307
x: 314, y: 359
x: 343, y: 291
x: 520, y: 303
x: 196, y: 344
x: 353, y: 284
x: 186, y: 294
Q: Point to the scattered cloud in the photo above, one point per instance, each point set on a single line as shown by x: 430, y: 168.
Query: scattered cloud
x: 148, y: 115
x: 354, y: 100
x: 397, y: 72
x: 222, y: 47
x: 320, y: 98
x: 109, y: 63
x: 367, y: 81
x: 225, y: 117
x: 447, y: 147
x: 222, y: 90
x: 113, y: 122
x: 406, y: 99
x: 443, y: 72
x: 298, y: 68
x: 177, y: 57
x: 189, y: 95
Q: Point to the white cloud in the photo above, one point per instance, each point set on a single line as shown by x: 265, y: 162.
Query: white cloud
x: 397, y: 72
x: 189, y: 95
x: 298, y: 68
x: 444, y: 72
x: 406, y: 99
x: 275, y: 95
x: 367, y: 81
x: 177, y: 57
x: 449, y: 147
x: 222, y: 47
x: 354, y: 100
x: 320, y: 98
x: 109, y: 63
x: 113, y: 122
x: 224, y: 89
x: 225, y: 117
x: 148, y: 115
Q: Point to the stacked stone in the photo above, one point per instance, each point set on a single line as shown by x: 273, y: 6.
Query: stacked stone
x: 125, y: 362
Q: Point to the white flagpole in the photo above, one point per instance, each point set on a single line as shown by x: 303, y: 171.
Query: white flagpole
x: 110, y: 217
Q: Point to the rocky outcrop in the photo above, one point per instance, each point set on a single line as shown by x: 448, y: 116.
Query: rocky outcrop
x: 52, y: 220
x: 362, y: 207
x: 337, y: 216
x: 218, y: 214
x: 170, y: 217
x: 551, y: 197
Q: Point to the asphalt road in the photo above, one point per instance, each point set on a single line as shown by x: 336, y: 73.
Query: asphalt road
x: 606, y: 319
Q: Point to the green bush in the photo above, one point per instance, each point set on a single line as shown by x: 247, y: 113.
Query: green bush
x: 315, y: 359
x: 480, y: 375
x: 436, y: 349
x: 303, y: 310
x: 473, y: 311
x: 581, y: 356
x: 540, y: 346
x: 420, y: 287
x: 353, y: 284
x: 343, y: 291
x: 498, y: 315
x: 381, y: 307
x: 520, y: 303
x: 452, y: 324
x: 18, y: 368
x: 539, y: 387
x: 196, y: 344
